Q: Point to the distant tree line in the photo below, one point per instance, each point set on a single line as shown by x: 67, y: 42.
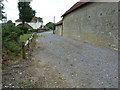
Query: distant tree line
x: 51, y: 25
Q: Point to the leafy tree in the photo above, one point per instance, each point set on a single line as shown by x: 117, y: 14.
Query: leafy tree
x: 1, y: 10
x: 50, y: 25
x: 26, y: 13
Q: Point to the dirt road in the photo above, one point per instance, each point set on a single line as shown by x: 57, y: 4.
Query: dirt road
x: 60, y: 62
x: 78, y: 64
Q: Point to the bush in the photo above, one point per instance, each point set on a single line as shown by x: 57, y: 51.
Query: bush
x: 10, y: 32
x: 23, y: 29
x: 43, y: 29
x: 13, y: 46
x: 10, y: 37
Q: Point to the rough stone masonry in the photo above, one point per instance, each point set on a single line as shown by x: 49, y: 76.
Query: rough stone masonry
x: 95, y: 23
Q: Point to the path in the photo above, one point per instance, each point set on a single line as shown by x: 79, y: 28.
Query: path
x: 78, y: 64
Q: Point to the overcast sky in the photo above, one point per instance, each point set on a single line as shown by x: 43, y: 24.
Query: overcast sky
x: 46, y: 9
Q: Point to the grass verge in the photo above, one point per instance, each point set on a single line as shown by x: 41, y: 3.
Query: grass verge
x: 25, y: 37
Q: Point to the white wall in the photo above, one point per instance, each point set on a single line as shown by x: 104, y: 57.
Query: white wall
x: 33, y: 25
x: 17, y: 23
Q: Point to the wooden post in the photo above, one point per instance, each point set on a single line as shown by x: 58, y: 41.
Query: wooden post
x: 28, y: 44
x: 23, y: 51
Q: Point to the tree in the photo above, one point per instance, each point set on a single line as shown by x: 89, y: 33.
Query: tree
x: 26, y: 13
x: 50, y: 25
x: 1, y: 10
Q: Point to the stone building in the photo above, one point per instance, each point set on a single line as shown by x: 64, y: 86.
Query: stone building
x: 93, y: 22
x: 35, y: 23
x: 59, y: 28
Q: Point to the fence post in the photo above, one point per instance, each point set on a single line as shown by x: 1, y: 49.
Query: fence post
x: 23, y: 51
x: 28, y: 43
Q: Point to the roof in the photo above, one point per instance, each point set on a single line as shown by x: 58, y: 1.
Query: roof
x: 59, y: 23
x: 34, y: 19
x: 74, y: 7
x: 18, y: 20
x: 25, y: 25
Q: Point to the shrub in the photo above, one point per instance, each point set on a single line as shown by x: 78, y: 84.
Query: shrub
x: 10, y: 37
x: 44, y: 29
x: 23, y: 29
x: 10, y: 32
x: 13, y: 46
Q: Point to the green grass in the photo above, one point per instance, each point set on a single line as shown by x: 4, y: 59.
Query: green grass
x: 35, y: 36
x: 24, y: 38
x: 41, y: 35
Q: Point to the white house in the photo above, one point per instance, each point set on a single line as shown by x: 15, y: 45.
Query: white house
x: 35, y: 23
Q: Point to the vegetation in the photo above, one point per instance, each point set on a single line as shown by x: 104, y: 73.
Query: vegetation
x: 33, y: 30
x: 24, y: 29
x: 51, y: 25
x: 26, y: 84
x: 24, y: 37
x: 26, y: 13
x: 38, y: 30
x: 10, y: 37
x: 1, y: 10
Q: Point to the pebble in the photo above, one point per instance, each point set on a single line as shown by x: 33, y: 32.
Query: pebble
x: 107, y: 75
x: 10, y: 84
x: 75, y: 59
x: 13, y: 78
x: 6, y: 86
x: 104, y: 70
x: 72, y: 75
x: 56, y: 86
x: 20, y: 73
x: 69, y: 55
x: 16, y: 66
x: 102, y: 83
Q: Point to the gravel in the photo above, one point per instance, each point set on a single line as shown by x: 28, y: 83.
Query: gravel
x: 81, y: 65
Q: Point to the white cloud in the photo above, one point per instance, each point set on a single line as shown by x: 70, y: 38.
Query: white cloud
x: 11, y: 9
x: 46, y: 9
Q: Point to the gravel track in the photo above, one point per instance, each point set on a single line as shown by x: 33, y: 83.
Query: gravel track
x: 81, y: 65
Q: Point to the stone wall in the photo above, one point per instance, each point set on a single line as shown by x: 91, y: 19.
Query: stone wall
x: 58, y: 30
x: 94, y: 23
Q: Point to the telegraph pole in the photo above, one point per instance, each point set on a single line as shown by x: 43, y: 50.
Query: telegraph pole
x: 54, y: 25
